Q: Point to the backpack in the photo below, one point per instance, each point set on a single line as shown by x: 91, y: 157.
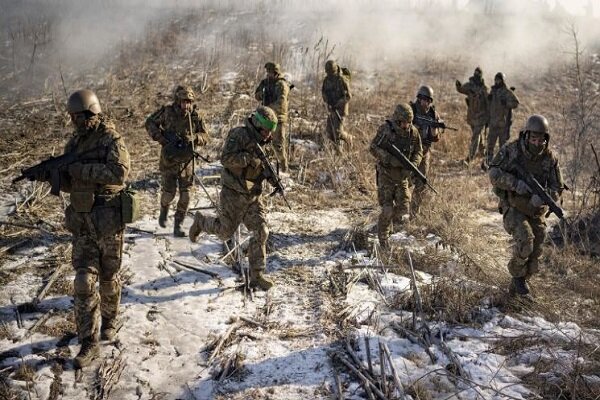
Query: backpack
x: 346, y: 73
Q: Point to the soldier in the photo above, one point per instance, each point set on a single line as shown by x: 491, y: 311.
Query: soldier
x: 179, y: 130
x: 392, y: 176
x: 477, y: 110
x: 502, y: 101
x: 241, y: 195
x: 336, y: 94
x: 423, y: 106
x: 273, y: 92
x: 94, y: 217
x: 524, y: 213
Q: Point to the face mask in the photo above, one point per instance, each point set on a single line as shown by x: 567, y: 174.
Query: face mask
x: 535, y: 149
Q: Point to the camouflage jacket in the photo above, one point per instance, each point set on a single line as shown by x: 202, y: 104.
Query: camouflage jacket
x: 477, y: 101
x: 336, y: 90
x: 504, y: 177
x: 172, y: 120
x: 101, y: 172
x: 428, y: 134
x: 501, y: 101
x: 242, y: 168
x: 407, y: 141
x: 273, y: 93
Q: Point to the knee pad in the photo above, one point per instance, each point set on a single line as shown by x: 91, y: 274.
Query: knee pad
x: 84, y: 283
x: 262, y: 234
x: 166, y: 198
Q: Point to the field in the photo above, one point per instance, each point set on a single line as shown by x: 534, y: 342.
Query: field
x: 445, y: 330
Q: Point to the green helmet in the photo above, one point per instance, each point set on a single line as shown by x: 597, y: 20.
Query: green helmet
x: 83, y: 100
x: 478, y: 71
x: 331, y: 67
x: 273, y: 67
x: 264, y: 117
x: 501, y: 76
x: 183, y: 93
x: 426, y: 92
x: 403, y: 112
x: 538, y: 124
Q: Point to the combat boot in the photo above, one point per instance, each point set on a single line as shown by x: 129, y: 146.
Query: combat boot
x: 519, y: 286
x: 109, y: 328
x: 177, y: 231
x: 259, y: 281
x: 196, y: 227
x: 162, y: 218
x: 88, y: 353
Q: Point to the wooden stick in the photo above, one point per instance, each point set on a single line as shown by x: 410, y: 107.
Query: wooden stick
x: 382, y: 374
x: 37, y: 324
x: 395, y: 376
x: 194, y: 268
x: 55, y: 275
x: 368, y: 349
x: 233, y: 249
x: 222, y: 341
x: 360, y: 375
x: 338, y: 384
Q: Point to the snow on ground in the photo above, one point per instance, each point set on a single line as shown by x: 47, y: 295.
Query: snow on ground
x: 172, y: 313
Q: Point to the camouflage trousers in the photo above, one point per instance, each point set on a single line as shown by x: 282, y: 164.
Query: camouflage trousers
x: 281, y: 142
x: 96, y: 258
x: 496, y: 134
x: 394, y: 199
x: 529, y: 234
x: 335, y: 127
x: 177, y: 176
x: 237, y: 208
x: 477, y: 141
x: 420, y: 190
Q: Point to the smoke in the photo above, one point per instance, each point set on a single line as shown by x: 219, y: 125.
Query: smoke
x: 507, y: 36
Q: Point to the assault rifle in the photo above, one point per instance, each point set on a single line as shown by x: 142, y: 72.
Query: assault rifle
x: 538, y: 189
x: 394, y: 151
x: 422, y: 120
x: 271, y: 175
x: 180, y: 147
x: 52, y: 168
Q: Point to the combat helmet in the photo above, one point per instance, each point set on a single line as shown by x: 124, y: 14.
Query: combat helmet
x: 83, y: 100
x: 331, y: 67
x: 538, y: 124
x: 183, y: 93
x: 403, y: 112
x: 264, y: 117
x: 425, y: 92
x: 273, y: 67
x: 501, y: 76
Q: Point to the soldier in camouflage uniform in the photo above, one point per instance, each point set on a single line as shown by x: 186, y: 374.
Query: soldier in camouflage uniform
x: 273, y: 92
x: 336, y: 94
x: 392, y: 176
x: 179, y: 129
x: 502, y: 101
x: 241, y: 196
x: 524, y: 213
x: 477, y: 110
x: 94, y: 218
x: 423, y: 106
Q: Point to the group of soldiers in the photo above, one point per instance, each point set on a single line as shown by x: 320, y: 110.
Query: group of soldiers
x: 489, y: 114
x: 96, y: 181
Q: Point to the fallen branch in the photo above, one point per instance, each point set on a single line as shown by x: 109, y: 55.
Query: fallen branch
x: 55, y: 275
x: 197, y: 269
x: 222, y: 341
x: 365, y: 381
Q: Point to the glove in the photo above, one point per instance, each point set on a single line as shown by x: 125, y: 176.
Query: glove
x: 536, y: 201
x: 76, y: 170
x: 521, y: 187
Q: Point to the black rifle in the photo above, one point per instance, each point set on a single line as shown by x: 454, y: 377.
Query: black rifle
x: 53, y: 167
x: 271, y: 175
x: 421, y: 120
x: 182, y: 147
x: 394, y: 151
x: 538, y: 189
